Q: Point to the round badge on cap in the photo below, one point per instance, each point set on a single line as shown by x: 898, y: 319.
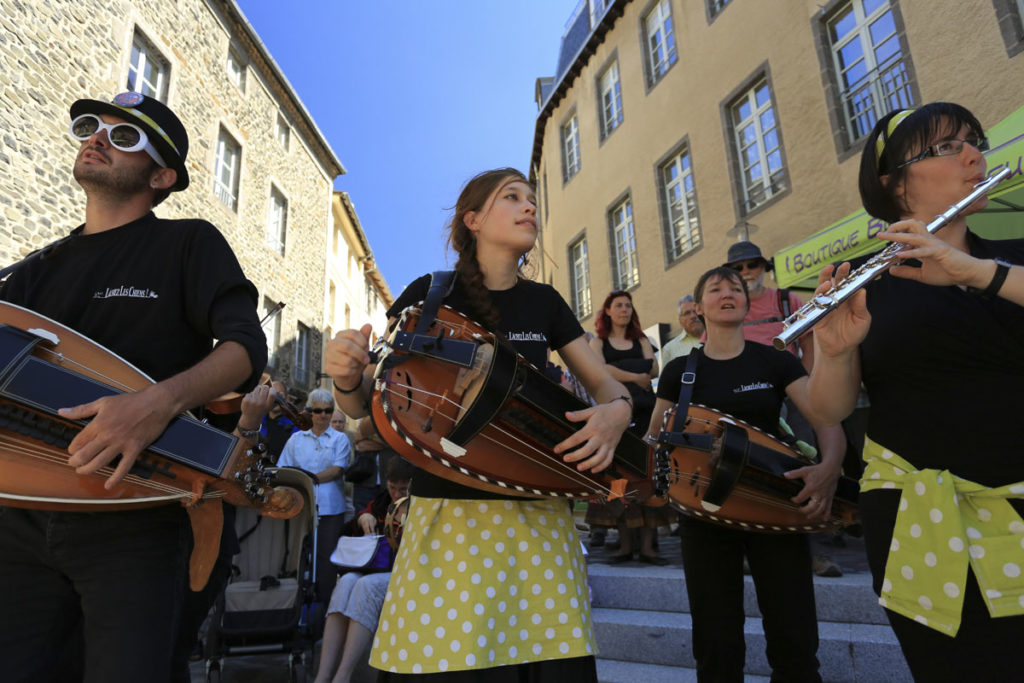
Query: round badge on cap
x: 128, y: 99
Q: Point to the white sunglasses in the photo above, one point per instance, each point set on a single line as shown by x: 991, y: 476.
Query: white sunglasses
x: 126, y: 137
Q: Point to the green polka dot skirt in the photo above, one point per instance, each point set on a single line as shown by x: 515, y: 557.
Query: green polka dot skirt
x: 484, y: 583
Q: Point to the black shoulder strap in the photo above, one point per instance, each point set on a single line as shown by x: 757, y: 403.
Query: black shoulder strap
x: 784, y: 303
x: 441, y: 284
x: 38, y: 254
x: 685, y: 391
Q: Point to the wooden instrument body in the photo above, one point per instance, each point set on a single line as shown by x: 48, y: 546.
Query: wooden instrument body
x: 726, y: 471
x: 44, y: 366
x: 423, y: 407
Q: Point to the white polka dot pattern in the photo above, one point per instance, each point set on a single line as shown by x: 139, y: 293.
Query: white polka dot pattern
x: 945, y: 527
x: 494, y: 602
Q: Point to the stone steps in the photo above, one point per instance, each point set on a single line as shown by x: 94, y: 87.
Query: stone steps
x: 641, y: 620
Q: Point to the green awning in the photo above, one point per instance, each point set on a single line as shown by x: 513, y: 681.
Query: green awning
x: 798, y: 265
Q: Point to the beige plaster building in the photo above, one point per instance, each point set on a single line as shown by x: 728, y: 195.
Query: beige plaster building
x: 261, y: 170
x: 356, y: 290
x: 673, y: 128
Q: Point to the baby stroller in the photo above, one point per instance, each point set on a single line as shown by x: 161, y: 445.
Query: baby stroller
x: 268, y: 606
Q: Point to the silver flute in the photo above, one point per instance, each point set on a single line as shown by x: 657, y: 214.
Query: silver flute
x: 821, y: 305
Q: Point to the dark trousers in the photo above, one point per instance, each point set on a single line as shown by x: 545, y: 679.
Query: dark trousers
x: 781, y: 568
x: 571, y: 670
x: 116, y: 577
x: 328, y: 531
x: 984, y: 649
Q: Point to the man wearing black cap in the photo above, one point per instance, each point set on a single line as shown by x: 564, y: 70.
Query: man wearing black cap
x: 158, y: 293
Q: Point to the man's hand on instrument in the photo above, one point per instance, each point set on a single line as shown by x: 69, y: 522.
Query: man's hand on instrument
x: 941, y: 264
x: 819, y: 487
x: 597, y: 439
x: 347, y: 355
x: 255, y: 405
x: 122, y: 425
x: 844, y: 328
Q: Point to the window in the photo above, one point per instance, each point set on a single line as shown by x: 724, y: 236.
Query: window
x: 272, y: 327
x: 277, y: 220
x: 1010, y: 16
x: 611, y: 99
x: 332, y: 302
x: 715, y: 7
x: 236, y: 69
x: 283, y: 132
x: 570, y: 148
x: 371, y: 299
x: 226, y: 169
x: 869, y: 64
x: 626, y: 271
x: 579, y: 278
x: 148, y: 70
x: 682, y: 224
x: 661, y: 41
x: 301, y: 373
x: 758, y: 150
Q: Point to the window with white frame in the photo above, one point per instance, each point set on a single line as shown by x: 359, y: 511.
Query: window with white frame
x: 682, y: 223
x: 148, y: 70
x: 570, y: 148
x: 283, y: 132
x: 277, y: 220
x: 661, y: 41
x: 301, y: 370
x: 226, y: 169
x: 869, y: 64
x: 272, y: 328
x: 579, y: 278
x: 236, y: 69
x: 611, y: 98
x: 626, y: 268
x: 759, y: 152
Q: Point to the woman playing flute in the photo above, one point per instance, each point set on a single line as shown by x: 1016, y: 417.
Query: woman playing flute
x: 937, y: 343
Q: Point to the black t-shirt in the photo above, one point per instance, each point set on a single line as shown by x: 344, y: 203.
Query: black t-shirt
x: 156, y: 292
x: 533, y: 317
x: 751, y: 386
x: 944, y: 370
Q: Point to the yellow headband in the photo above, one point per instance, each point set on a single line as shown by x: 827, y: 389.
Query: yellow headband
x: 152, y: 124
x: 882, y: 139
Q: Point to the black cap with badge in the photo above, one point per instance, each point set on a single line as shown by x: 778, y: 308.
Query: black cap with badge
x: 162, y: 126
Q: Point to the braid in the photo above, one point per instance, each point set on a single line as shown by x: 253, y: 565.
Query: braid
x: 470, y: 279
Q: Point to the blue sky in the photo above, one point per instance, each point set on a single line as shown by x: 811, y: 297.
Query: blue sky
x: 415, y: 97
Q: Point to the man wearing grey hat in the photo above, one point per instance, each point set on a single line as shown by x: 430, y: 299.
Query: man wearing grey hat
x: 158, y: 293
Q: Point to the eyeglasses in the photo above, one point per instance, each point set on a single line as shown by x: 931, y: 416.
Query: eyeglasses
x: 947, y: 148
x: 126, y: 137
x: 747, y: 265
x: 321, y: 411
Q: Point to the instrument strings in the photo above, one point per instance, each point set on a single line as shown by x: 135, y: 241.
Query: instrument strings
x: 60, y: 457
x: 748, y: 494
x: 545, y: 461
x: 61, y: 358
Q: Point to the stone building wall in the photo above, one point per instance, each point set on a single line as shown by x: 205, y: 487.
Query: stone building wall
x: 53, y: 52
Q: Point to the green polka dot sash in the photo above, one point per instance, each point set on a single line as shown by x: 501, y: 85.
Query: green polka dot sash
x: 945, y: 523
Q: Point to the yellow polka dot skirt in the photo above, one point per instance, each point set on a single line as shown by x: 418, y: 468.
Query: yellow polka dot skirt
x: 484, y: 583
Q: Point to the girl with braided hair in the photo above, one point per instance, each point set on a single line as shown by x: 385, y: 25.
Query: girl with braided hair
x: 489, y: 581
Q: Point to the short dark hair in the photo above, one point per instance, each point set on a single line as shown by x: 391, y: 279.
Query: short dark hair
x: 399, y: 469
x: 723, y: 273
x: 918, y: 130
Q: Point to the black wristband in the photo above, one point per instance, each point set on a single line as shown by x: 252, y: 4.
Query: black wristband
x: 353, y: 390
x: 990, y: 292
